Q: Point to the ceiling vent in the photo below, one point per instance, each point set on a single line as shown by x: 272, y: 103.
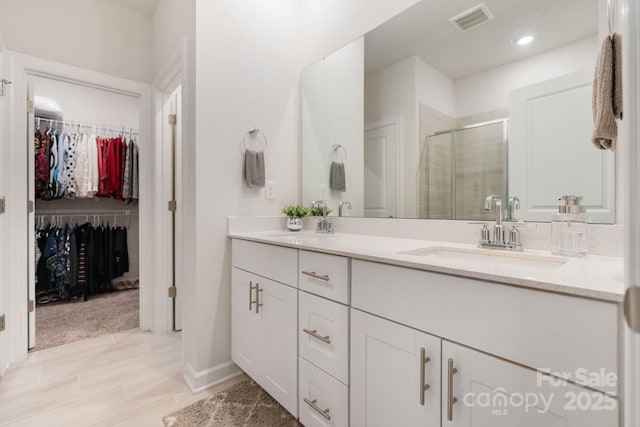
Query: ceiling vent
x: 472, y: 18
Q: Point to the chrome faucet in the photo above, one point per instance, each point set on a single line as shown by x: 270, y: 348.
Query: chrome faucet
x: 512, y: 205
x: 324, y: 224
x: 498, y: 231
x: 341, y: 204
x: 498, y: 241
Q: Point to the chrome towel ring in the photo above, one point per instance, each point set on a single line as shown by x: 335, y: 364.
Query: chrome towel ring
x: 254, y: 133
x: 338, y: 151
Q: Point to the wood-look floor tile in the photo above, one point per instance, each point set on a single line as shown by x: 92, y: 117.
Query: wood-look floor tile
x: 131, y: 378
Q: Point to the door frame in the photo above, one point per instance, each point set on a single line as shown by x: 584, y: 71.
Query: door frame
x: 398, y: 121
x: 33, y: 66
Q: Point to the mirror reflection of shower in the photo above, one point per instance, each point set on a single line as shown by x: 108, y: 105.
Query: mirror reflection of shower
x: 459, y: 167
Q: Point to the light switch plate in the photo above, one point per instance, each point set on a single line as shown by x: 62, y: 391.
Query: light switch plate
x: 269, y: 190
x: 324, y: 190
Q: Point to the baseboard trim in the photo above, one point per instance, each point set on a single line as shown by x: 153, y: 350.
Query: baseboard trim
x: 200, y: 380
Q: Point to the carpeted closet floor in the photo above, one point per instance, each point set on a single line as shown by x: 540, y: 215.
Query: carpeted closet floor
x: 66, y: 322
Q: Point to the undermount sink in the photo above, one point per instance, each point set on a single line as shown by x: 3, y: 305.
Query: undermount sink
x: 489, y: 257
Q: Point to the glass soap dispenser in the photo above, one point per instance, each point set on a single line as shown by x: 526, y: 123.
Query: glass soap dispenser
x: 569, y: 228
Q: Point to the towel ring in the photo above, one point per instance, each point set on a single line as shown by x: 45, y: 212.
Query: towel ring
x: 335, y: 153
x: 254, y: 133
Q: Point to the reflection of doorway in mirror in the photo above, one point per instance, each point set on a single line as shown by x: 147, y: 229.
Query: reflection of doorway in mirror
x: 380, y: 170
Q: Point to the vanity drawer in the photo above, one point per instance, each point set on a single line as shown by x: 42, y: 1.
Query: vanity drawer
x: 323, y: 400
x: 325, y: 275
x: 270, y: 261
x: 542, y: 330
x: 323, y: 334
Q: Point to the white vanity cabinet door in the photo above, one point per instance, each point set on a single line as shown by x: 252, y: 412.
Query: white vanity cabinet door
x: 245, y: 324
x: 489, y: 391
x: 324, y: 401
x: 264, y: 339
x: 324, y: 275
x: 386, y: 374
x: 323, y: 334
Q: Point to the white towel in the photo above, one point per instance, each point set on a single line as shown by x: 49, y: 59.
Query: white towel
x: 254, y: 168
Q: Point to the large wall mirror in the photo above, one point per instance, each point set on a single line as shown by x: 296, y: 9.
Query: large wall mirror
x: 453, y: 100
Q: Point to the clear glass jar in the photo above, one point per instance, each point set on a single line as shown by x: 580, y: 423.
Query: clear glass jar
x: 569, y: 234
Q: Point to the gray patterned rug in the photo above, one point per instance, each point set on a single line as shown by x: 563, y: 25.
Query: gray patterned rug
x: 245, y: 404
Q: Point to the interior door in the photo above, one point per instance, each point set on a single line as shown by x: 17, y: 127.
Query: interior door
x: 30, y: 179
x: 380, y: 172
x: 172, y: 147
x: 3, y: 180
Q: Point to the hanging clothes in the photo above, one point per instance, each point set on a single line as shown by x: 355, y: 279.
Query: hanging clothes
x: 79, y: 261
x: 74, y: 165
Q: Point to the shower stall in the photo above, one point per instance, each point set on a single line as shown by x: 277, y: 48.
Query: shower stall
x: 460, y: 167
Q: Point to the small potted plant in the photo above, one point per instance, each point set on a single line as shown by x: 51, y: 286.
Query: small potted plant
x: 317, y: 211
x: 294, y: 214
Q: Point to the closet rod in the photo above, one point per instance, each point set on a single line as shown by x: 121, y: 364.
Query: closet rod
x: 125, y: 212
x: 71, y: 123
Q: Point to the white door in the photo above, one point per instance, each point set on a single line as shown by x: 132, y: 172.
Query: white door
x: 30, y: 179
x: 479, y: 390
x: 172, y: 173
x: 389, y: 374
x: 380, y: 172
x: 550, y: 124
x: 278, y: 313
x: 3, y: 180
x: 245, y: 345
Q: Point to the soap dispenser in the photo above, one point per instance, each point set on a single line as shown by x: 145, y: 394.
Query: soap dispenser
x: 569, y: 227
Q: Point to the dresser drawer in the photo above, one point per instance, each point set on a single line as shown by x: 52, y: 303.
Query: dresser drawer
x: 270, y: 261
x: 323, y: 334
x: 323, y: 400
x: 325, y: 275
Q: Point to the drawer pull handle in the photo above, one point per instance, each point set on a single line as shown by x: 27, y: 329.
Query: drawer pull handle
x: 312, y: 403
x: 316, y: 276
x: 251, y: 301
x: 314, y: 334
x: 258, y: 303
x: 423, y: 365
x: 450, y: 399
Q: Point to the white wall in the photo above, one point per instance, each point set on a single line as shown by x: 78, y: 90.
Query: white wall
x: 489, y: 90
x: 332, y: 113
x: 2, y: 24
x: 249, y: 58
x: 94, y: 34
x: 247, y: 75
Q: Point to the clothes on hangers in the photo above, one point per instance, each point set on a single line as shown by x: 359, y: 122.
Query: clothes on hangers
x: 74, y: 165
x: 79, y: 261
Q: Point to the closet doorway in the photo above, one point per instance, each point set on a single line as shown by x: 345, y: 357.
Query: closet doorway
x: 83, y: 177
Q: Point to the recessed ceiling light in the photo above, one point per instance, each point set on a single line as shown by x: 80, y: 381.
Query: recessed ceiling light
x: 525, y: 40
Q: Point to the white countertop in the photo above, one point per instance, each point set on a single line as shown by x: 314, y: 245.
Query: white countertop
x: 595, y: 277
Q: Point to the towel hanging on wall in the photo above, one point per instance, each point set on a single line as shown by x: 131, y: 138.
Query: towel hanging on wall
x: 607, y: 93
x: 254, y: 168
x: 337, y: 181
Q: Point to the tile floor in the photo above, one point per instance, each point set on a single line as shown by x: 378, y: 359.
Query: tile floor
x: 130, y: 378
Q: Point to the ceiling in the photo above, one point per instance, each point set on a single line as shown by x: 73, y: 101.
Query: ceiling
x: 148, y: 7
x: 424, y: 30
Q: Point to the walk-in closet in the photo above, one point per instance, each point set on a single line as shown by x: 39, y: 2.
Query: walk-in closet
x: 84, y: 178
